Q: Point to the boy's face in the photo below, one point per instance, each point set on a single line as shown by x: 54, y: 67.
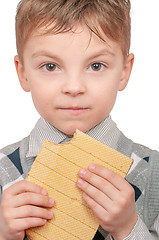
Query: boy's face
x: 73, y: 79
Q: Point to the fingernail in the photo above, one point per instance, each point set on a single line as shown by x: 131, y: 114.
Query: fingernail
x: 80, y: 182
x: 84, y: 194
x: 44, y: 192
x: 50, y: 214
x: 82, y: 172
x: 92, y: 167
x: 51, y: 201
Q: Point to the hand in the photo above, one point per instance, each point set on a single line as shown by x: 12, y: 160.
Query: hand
x: 23, y: 206
x: 111, y: 198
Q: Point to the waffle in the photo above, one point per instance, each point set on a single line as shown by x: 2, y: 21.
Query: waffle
x: 56, y: 170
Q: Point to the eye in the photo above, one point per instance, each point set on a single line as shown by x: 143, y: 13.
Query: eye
x: 97, y: 67
x: 50, y: 67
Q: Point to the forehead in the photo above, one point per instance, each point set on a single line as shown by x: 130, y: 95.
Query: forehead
x: 80, y: 36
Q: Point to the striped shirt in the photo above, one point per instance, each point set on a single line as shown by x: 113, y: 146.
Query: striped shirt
x: 17, y: 159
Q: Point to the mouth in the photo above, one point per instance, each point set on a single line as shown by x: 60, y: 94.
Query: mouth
x: 74, y: 110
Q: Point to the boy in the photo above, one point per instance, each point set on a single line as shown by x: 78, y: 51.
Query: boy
x: 74, y: 57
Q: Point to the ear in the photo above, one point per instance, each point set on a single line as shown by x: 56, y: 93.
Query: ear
x: 126, y: 72
x: 21, y: 74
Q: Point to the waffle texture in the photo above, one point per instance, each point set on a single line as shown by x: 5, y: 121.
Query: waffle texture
x: 56, y: 170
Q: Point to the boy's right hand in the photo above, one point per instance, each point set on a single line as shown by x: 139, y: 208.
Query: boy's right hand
x: 23, y: 205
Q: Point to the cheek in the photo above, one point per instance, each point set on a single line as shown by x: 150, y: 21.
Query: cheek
x: 106, y: 94
x: 105, y: 99
x: 40, y: 98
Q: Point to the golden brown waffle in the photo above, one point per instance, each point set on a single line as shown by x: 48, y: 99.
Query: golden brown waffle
x: 56, y: 170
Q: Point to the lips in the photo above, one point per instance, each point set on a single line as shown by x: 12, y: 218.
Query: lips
x: 74, y: 110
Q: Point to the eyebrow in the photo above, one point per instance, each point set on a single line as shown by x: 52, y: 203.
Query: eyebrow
x: 101, y: 52
x: 42, y: 53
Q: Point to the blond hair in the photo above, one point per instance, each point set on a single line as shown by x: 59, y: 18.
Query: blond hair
x: 111, y: 16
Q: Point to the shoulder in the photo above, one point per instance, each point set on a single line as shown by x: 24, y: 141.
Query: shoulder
x: 14, y: 149
x: 146, y: 156
x: 144, y: 178
x: 143, y: 174
x: 12, y: 162
x: 137, y: 151
x: 145, y: 166
x: 9, y: 156
x: 9, y: 149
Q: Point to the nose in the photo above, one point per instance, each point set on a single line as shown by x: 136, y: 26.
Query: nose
x: 74, y: 86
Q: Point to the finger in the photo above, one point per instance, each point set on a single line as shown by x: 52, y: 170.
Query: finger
x: 99, y: 197
x: 25, y: 186
x: 35, y: 199
x: 119, y: 182
x: 100, y: 183
x: 98, y: 210
x: 19, y: 225
x: 30, y: 211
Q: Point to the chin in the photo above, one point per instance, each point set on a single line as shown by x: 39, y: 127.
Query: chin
x: 70, y: 131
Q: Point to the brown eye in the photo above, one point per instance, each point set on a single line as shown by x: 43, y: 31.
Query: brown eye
x: 96, y: 66
x: 50, y: 67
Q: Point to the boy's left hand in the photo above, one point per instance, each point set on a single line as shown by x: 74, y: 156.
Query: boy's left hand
x: 111, y: 198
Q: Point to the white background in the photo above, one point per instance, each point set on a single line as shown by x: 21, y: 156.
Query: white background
x: 136, y: 111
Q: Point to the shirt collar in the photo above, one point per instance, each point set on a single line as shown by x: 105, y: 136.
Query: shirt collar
x: 105, y: 132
